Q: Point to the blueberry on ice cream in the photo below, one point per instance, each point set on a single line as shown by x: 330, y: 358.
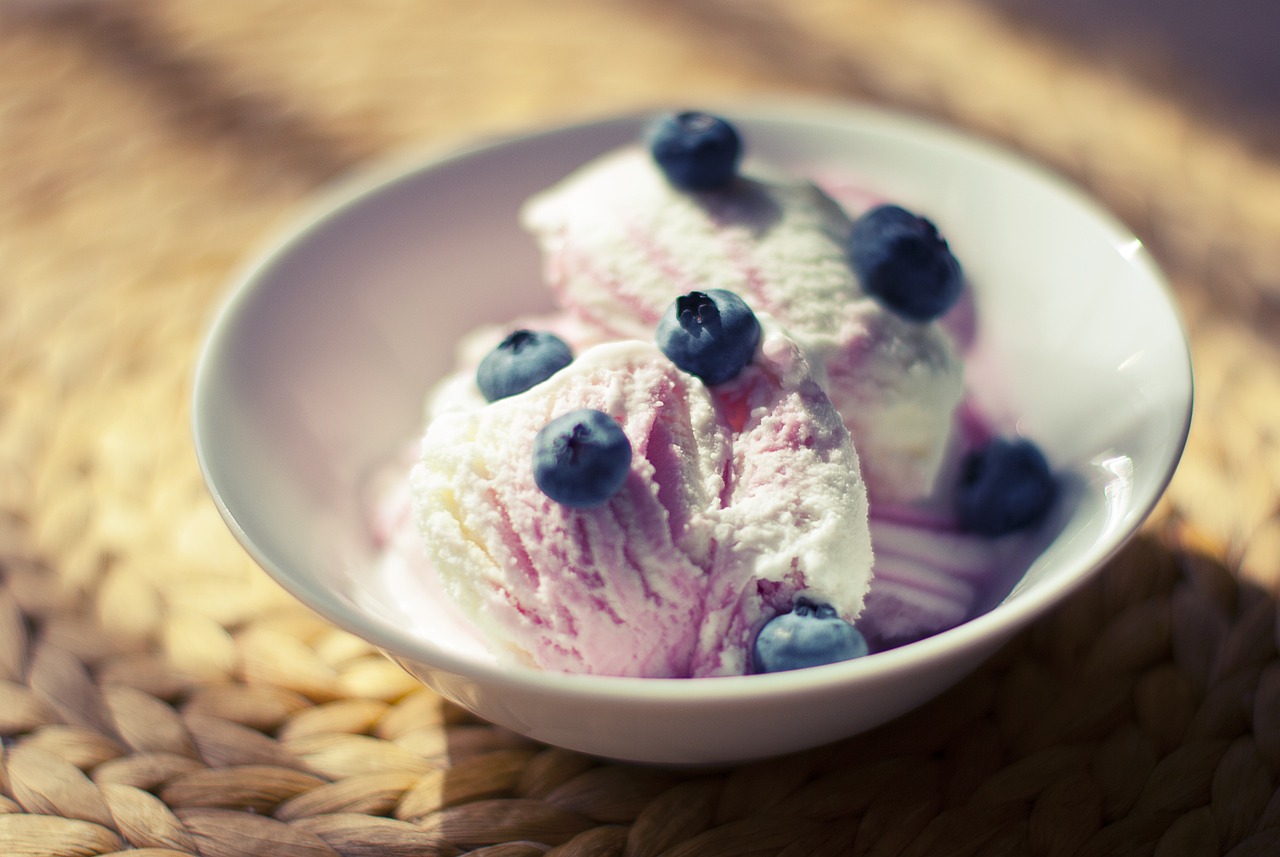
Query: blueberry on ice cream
x: 581, y: 458
x: 709, y: 334
x: 696, y: 151
x: 1004, y: 486
x: 904, y: 263
x: 522, y: 359
x: 809, y: 635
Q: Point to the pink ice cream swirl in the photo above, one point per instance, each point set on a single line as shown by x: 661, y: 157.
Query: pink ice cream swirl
x: 737, y: 500
x: 620, y: 243
x: 740, y: 497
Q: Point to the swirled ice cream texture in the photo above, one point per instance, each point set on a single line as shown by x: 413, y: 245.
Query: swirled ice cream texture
x: 620, y: 243
x: 738, y: 499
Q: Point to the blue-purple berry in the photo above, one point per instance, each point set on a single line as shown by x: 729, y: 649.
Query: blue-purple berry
x: 524, y: 358
x: 1003, y: 486
x: 581, y: 458
x: 711, y: 334
x: 696, y: 151
x: 810, y: 635
x: 904, y: 263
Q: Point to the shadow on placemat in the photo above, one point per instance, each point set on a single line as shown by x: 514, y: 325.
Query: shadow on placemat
x: 1146, y: 709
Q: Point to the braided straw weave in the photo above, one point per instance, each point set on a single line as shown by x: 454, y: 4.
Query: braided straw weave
x: 160, y: 696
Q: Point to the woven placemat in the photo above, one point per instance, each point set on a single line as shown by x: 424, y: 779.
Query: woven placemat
x: 160, y: 696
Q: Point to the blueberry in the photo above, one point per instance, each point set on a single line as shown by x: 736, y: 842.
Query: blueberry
x: 904, y: 263
x: 697, y: 151
x: 809, y: 636
x: 581, y: 458
x: 1003, y: 486
x: 524, y: 358
x: 711, y: 334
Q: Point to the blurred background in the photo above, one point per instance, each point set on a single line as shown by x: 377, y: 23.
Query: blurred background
x: 1219, y: 57
x: 147, y: 146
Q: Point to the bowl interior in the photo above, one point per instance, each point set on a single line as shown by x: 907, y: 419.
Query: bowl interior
x: 315, y: 370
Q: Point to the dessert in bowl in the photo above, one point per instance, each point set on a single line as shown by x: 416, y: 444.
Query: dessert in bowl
x: 315, y: 372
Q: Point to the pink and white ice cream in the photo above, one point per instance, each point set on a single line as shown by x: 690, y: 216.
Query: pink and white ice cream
x: 620, y: 243
x: 739, y: 498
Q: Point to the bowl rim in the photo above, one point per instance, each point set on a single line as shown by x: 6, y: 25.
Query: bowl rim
x: 973, y: 635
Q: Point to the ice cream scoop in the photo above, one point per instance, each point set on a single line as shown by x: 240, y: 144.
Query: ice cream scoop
x: 620, y: 241
x: 739, y: 498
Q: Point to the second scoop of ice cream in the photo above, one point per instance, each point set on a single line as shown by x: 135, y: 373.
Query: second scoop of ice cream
x: 620, y: 242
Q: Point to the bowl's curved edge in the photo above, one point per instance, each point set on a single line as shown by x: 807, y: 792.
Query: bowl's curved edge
x: 972, y: 636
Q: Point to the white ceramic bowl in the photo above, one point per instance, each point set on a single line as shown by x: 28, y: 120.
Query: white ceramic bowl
x: 316, y: 368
